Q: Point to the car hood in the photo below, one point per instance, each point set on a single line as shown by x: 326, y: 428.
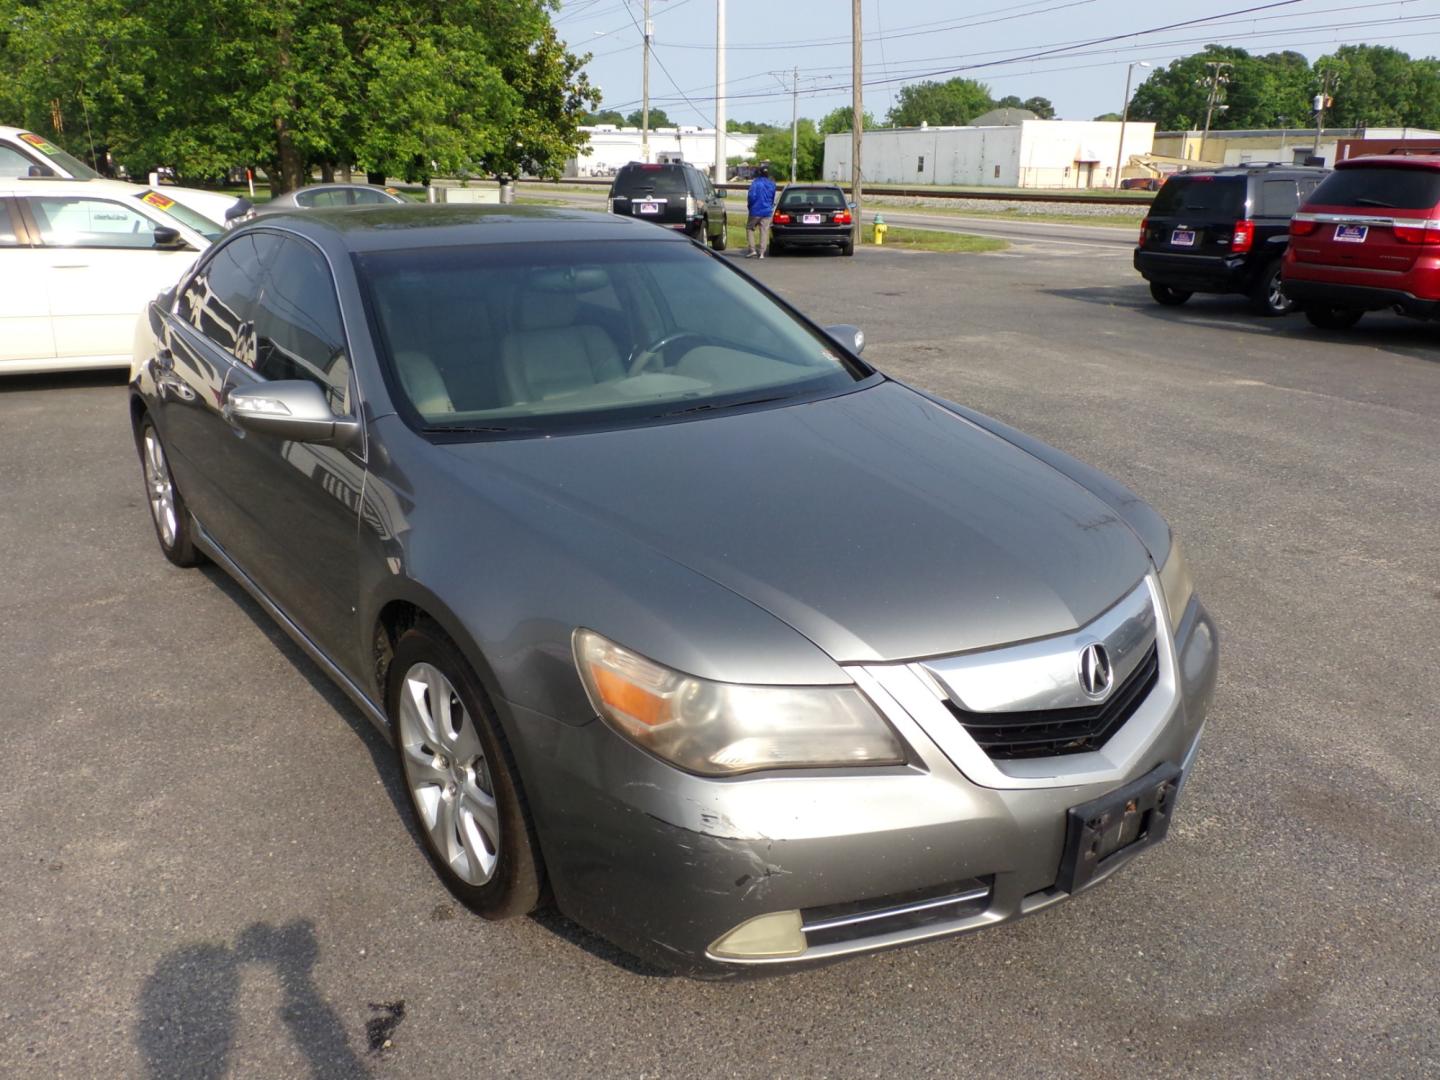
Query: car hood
x: 878, y: 524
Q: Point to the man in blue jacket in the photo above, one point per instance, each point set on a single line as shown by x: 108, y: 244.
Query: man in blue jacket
x: 762, y: 209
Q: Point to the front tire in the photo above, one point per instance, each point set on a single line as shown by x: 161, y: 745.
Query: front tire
x: 174, y: 528
x: 1330, y: 317
x: 461, y: 777
x: 1267, y: 296
x: 1168, y: 296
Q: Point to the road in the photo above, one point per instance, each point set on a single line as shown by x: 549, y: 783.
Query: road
x: 207, y: 870
x: 1049, y: 234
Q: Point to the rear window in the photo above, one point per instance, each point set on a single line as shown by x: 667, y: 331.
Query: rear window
x: 657, y: 180
x: 1207, y: 196
x: 825, y: 198
x: 1378, y: 186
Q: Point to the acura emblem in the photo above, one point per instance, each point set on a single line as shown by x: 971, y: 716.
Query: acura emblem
x: 1096, y: 675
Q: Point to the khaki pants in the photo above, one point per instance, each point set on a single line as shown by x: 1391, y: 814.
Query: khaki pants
x: 762, y: 225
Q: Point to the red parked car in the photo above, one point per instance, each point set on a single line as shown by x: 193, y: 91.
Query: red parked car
x: 1368, y: 239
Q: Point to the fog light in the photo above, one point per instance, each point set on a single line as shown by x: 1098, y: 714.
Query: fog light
x: 764, y: 937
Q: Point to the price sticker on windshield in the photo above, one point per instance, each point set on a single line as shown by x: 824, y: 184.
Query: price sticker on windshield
x: 45, y: 146
x: 155, y: 199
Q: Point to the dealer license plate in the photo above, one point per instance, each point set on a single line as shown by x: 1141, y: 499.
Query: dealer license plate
x: 810, y: 219
x: 1106, y: 831
x: 1351, y: 234
x: 1183, y: 238
x: 649, y: 208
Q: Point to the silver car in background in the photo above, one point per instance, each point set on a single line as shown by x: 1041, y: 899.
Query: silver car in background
x: 675, y: 609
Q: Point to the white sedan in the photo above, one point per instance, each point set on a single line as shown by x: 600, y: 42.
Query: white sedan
x: 78, y: 261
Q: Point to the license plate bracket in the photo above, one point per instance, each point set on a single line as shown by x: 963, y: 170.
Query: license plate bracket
x: 1112, y: 829
x: 649, y: 207
x: 1183, y: 238
x: 810, y: 219
x: 1351, y: 234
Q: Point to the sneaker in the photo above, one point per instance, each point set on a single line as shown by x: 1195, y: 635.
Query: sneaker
x: 761, y: 255
x: 749, y: 254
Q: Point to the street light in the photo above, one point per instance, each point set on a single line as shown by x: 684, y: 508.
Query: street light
x: 1125, y: 114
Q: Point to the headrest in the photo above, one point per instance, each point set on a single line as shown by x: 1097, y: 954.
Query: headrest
x: 546, y: 310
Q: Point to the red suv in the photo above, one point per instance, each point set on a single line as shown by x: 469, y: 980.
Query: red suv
x: 1368, y: 239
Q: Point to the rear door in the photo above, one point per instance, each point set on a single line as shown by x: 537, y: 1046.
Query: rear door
x: 1369, y: 217
x: 100, y: 267
x: 1196, y: 215
x: 25, y: 327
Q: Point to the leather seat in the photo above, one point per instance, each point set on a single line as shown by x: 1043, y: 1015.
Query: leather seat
x: 423, y: 385
x: 549, y: 354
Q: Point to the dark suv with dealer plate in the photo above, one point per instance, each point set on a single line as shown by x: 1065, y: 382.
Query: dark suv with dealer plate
x: 676, y: 195
x: 1368, y: 239
x: 1223, y: 231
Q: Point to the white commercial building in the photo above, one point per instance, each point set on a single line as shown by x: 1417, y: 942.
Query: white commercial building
x: 1030, y: 154
x: 610, y: 147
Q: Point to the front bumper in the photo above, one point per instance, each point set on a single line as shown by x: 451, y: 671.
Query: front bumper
x: 1194, y: 273
x: 663, y: 864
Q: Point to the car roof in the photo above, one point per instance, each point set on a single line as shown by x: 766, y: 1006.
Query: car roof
x: 398, y: 228
x: 60, y: 185
x: 1258, y: 168
x: 1392, y: 161
x: 812, y: 187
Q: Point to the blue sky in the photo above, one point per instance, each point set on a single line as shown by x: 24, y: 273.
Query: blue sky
x: 907, y: 40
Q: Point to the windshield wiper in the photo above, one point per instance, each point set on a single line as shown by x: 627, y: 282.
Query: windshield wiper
x: 467, y: 429
x: 1365, y: 200
x: 711, y: 406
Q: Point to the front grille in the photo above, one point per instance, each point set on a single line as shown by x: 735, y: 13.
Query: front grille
x: 1053, y: 732
x: 841, y: 924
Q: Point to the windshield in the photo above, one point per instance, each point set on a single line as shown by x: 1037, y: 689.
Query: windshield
x: 650, y: 180
x: 191, y: 219
x: 530, y: 337
x: 1395, y: 188
x: 1207, y: 196
x: 825, y: 198
x: 71, y: 164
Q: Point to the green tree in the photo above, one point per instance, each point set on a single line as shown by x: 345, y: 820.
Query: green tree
x: 1255, y: 91
x: 774, y: 146
x: 1378, y: 86
x: 203, y: 85
x: 1114, y: 117
x: 842, y: 119
x: 750, y: 127
x: 1041, y: 107
x: 606, y: 116
x: 956, y: 101
x: 658, y: 119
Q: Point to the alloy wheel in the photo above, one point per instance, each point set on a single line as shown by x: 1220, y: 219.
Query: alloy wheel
x: 160, y: 489
x: 448, y: 776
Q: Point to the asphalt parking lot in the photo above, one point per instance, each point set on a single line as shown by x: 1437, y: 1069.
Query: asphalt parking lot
x: 208, y: 870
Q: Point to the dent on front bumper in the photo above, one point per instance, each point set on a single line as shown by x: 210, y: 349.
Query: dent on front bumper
x: 663, y: 864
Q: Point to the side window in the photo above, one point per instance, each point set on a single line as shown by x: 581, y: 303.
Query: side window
x: 91, y: 223
x: 298, y: 332
x: 1307, y: 188
x: 219, y: 300
x: 1279, y: 198
x: 366, y: 198
x: 15, y: 165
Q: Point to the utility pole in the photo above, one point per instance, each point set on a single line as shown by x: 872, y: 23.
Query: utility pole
x: 722, y: 142
x: 1125, y: 116
x: 645, y: 89
x: 857, y: 108
x: 1217, y: 73
x: 794, y: 122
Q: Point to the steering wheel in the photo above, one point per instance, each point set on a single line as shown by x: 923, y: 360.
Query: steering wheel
x: 640, y: 359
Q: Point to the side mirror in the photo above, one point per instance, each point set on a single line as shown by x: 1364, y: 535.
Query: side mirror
x: 293, y: 409
x: 238, y: 211
x: 852, y: 337
x: 166, y: 237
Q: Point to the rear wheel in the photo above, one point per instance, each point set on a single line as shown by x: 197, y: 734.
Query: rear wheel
x: 463, y: 785
x: 775, y: 248
x: 847, y: 248
x: 1170, y: 297
x: 173, y: 526
x: 1330, y: 317
x: 723, y: 237
x: 1267, y: 295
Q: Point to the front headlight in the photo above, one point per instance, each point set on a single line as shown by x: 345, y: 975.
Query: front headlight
x: 720, y: 729
x: 1176, y: 583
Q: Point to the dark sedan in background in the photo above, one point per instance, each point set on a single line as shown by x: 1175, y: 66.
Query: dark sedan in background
x: 674, y: 608
x: 812, y: 215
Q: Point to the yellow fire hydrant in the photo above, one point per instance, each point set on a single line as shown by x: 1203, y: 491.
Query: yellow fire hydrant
x: 880, y: 228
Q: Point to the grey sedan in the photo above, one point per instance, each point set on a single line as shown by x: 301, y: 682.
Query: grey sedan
x: 678, y: 613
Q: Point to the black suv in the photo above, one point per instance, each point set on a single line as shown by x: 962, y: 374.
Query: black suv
x: 1223, y: 231
x: 678, y: 196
